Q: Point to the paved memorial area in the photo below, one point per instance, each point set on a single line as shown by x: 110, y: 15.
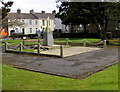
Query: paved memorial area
x: 76, y: 66
x: 70, y: 51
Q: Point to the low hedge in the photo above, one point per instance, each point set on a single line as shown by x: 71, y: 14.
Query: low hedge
x: 109, y: 35
x: 75, y: 35
x: 58, y: 35
x: 31, y: 36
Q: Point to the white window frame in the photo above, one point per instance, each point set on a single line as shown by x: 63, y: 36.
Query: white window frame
x: 30, y: 30
x: 43, y: 22
x: 30, y: 22
x: 36, y: 22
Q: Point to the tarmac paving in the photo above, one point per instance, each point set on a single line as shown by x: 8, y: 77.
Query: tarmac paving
x: 77, y: 66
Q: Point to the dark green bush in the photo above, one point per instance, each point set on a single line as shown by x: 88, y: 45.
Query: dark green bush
x: 57, y: 35
x: 74, y: 35
x: 109, y: 35
x: 31, y: 36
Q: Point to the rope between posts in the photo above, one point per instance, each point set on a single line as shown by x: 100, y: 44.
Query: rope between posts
x: 70, y: 41
x: 26, y: 47
x: 11, y: 46
x: 33, y: 43
x: 74, y: 42
x: 84, y: 40
x: 93, y: 43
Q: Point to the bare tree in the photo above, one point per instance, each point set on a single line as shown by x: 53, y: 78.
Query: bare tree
x: 15, y: 23
x: 4, y: 10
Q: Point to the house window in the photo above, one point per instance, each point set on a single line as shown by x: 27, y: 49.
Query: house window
x: 36, y: 29
x: 23, y: 30
x: 36, y: 22
x: 30, y: 30
x: 118, y: 21
x: 49, y: 23
x: 43, y: 22
x: 30, y: 22
x: 16, y: 28
x: 23, y: 21
x: 118, y: 25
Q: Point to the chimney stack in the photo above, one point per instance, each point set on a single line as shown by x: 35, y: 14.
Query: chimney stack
x: 43, y: 12
x: 54, y: 12
x: 18, y: 11
x: 32, y: 11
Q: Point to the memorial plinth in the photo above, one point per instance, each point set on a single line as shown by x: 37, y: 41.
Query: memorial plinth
x: 48, y: 38
x: 48, y: 35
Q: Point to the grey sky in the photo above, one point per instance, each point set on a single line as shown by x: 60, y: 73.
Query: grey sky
x: 36, y: 5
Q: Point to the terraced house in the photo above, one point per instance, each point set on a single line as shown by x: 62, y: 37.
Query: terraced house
x: 29, y: 23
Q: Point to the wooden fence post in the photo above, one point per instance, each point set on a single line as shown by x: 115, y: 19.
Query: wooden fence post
x: 21, y: 47
x: 84, y: 43
x: 105, y: 45
x: 23, y: 42
x: 66, y: 41
x: 38, y: 49
x: 6, y: 47
x: 61, y: 51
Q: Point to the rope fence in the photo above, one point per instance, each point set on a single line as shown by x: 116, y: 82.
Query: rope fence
x: 21, y: 47
x: 25, y: 47
x: 28, y: 42
x: 12, y: 46
x: 85, y: 42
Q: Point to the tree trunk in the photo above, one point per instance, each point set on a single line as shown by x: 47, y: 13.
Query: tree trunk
x: 85, y: 30
x: 100, y: 32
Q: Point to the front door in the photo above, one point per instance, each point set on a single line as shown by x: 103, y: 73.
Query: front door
x: 23, y: 31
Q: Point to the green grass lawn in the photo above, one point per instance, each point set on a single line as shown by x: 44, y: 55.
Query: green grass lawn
x: 63, y: 40
x: 76, y: 40
x: 16, y: 42
x: 79, y: 40
x: 16, y: 79
x: 12, y: 42
x: 26, y: 50
x: 115, y: 41
x: 33, y: 41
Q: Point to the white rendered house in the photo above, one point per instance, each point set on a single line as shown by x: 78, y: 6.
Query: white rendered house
x: 60, y: 26
x: 32, y: 22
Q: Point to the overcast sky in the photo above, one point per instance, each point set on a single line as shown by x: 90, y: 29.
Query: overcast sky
x: 36, y: 5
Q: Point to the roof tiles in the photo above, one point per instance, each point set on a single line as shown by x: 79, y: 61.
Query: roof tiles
x: 31, y: 16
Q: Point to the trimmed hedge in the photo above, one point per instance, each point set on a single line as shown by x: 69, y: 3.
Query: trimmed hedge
x: 58, y: 35
x: 109, y: 35
x: 31, y: 36
x: 75, y: 35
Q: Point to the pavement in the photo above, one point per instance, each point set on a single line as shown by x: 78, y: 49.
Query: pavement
x: 77, y: 66
x: 70, y: 51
